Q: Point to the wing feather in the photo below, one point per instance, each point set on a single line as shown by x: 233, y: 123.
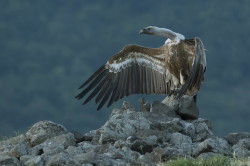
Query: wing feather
x: 108, y: 92
x: 116, y: 86
x: 143, y: 75
x: 130, y: 71
x: 100, y: 75
x: 96, y: 74
x: 104, y: 88
x: 196, y: 76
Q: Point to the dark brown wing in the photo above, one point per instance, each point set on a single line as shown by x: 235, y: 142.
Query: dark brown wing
x: 134, y: 70
x: 196, y: 76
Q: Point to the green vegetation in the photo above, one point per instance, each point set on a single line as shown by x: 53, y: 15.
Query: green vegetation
x: 13, y: 138
x: 212, y: 161
x: 48, y: 48
x: 240, y: 161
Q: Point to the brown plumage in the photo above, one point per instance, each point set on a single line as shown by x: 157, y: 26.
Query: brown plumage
x: 176, y: 68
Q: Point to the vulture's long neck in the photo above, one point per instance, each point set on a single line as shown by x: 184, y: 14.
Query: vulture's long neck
x: 169, y: 34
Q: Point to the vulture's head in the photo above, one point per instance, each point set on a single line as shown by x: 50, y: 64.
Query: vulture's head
x: 150, y: 30
x: 163, y: 32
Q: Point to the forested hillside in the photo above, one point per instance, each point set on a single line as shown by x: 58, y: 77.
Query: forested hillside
x: 48, y: 48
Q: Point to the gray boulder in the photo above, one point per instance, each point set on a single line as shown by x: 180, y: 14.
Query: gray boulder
x: 30, y: 160
x: 62, y: 159
x: 245, y: 143
x: 54, y: 145
x: 189, y: 129
x: 202, y: 130
x: 143, y: 144
x: 165, y: 111
x: 233, y: 138
x: 144, y: 106
x: 240, y: 152
x: 216, y: 145
x: 82, y: 147
x: 16, y: 146
x: 179, y: 139
x: 187, y: 108
x: 43, y: 130
x: 171, y: 125
x: 170, y: 152
x: 121, y: 126
x: 88, y: 157
x: 9, y: 160
x: 242, y: 148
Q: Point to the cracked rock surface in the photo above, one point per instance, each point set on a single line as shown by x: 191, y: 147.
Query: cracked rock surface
x: 157, y: 133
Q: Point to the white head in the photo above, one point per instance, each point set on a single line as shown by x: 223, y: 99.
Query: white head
x: 153, y: 30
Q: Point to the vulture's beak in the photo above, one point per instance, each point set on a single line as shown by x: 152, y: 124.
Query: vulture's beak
x: 142, y: 31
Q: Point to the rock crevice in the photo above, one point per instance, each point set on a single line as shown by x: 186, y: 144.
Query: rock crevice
x: 157, y: 133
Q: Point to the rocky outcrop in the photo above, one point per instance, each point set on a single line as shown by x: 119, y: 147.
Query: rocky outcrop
x: 157, y: 133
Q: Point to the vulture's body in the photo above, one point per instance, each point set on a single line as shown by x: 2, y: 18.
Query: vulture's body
x: 176, y: 68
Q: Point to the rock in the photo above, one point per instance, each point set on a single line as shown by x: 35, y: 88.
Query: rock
x: 187, y: 108
x: 62, y: 159
x: 88, y: 164
x: 79, y: 137
x: 172, y: 103
x: 215, y: 144
x: 45, y: 148
x: 233, y: 138
x: 107, y: 154
x: 83, y: 147
x: 242, y: 148
x: 44, y: 130
x: 19, y: 150
x: 240, y: 152
x: 150, y: 158
x: 29, y: 160
x: 161, y: 136
x: 144, y: 144
x: 5, y: 147
x: 127, y: 107
x: 245, y: 143
x: 89, y: 136
x: 16, y: 146
x: 207, y: 155
x: 179, y: 144
x: 116, y: 111
x: 165, y: 111
x: 120, y: 143
x: 188, y: 129
x: 54, y: 145
x: 179, y: 139
x: 202, y: 130
x: 168, y: 153
x: 89, y: 157
x: 121, y: 126
x: 144, y: 106
x: 65, y: 139
x: 9, y: 161
x: 169, y: 126
x: 124, y: 156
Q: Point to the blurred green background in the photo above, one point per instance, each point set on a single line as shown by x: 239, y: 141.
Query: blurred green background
x: 49, y: 47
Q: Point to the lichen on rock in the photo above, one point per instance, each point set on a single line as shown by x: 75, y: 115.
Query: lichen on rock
x: 157, y: 133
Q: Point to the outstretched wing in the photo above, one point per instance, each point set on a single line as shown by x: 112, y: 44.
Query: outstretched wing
x: 133, y: 70
x: 196, y: 76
